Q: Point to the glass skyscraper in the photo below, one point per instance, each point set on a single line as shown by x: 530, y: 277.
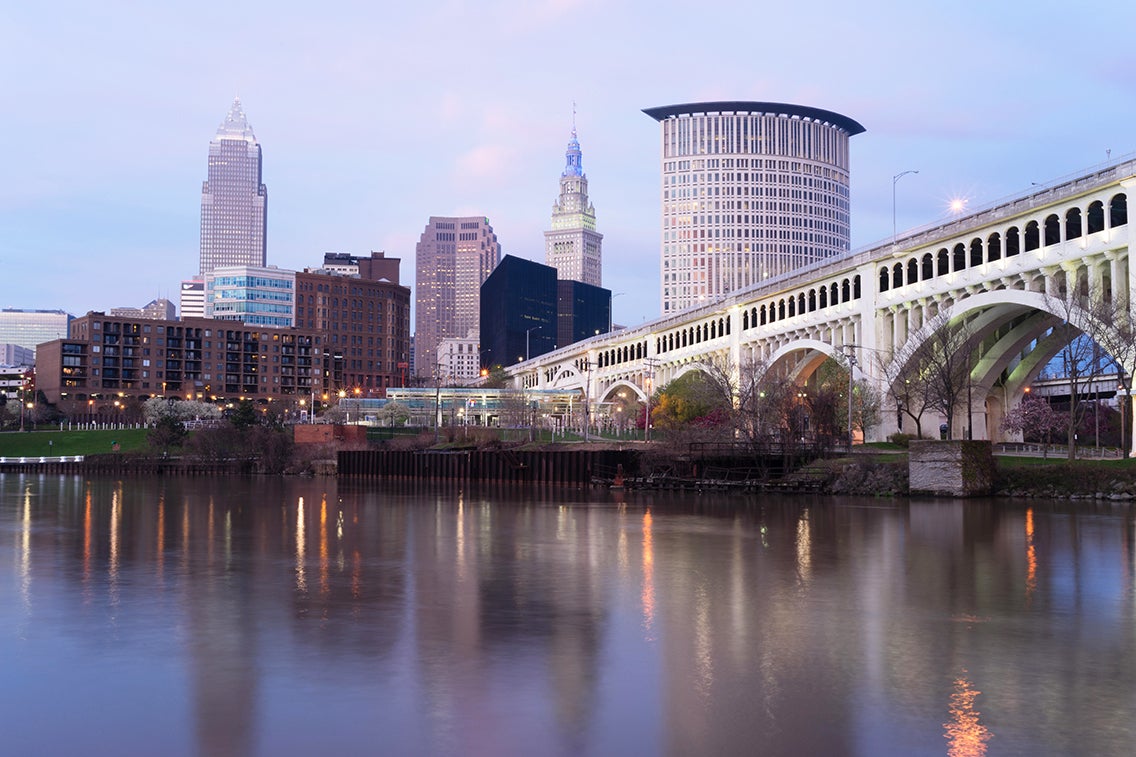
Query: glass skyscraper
x: 234, y: 202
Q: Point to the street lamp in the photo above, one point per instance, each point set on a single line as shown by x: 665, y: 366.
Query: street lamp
x: 610, y: 308
x: 894, y: 180
x: 527, y: 332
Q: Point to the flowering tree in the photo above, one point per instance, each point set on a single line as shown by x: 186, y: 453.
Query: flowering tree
x: 1035, y: 418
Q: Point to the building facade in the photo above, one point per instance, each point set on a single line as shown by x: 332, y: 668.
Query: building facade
x: 750, y: 190
x: 518, y: 312
x: 15, y: 355
x: 365, y: 322
x: 258, y: 296
x: 453, y: 258
x: 160, y: 309
x: 192, y: 298
x: 582, y: 311
x: 28, y: 328
x: 458, y: 360
x: 111, y: 359
x: 573, y: 246
x: 234, y: 201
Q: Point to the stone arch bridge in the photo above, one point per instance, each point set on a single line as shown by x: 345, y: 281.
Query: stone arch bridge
x: 993, y: 268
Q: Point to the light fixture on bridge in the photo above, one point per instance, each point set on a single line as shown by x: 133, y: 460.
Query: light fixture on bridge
x: 894, y: 180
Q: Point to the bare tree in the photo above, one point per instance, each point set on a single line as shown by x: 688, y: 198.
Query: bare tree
x: 934, y: 373
x: 1088, y: 323
x: 910, y: 394
x: 1111, y: 325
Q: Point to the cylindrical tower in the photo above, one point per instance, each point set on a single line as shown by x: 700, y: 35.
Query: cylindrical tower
x: 750, y: 190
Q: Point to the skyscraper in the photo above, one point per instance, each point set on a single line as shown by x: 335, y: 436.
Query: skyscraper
x: 572, y: 245
x: 452, y: 260
x: 750, y: 190
x: 234, y: 202
x: 518, y: 312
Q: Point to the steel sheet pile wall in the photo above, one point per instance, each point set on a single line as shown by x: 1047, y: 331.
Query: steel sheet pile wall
x: 554, y: 467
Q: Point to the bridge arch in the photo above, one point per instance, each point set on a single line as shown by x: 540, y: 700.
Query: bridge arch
x: 799, y: 359
x: 612, y: 390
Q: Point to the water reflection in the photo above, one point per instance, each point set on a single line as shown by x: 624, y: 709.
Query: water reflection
x: 250, y: 616
x: 966, y: 735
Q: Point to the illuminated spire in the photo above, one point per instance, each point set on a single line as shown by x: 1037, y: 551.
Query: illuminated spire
x: 575, y: 159
x: 235, y: 125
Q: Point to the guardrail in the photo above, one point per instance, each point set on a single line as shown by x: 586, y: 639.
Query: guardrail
x: 45, y: 459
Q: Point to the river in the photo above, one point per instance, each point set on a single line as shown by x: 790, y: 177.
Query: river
x: 263, y: 616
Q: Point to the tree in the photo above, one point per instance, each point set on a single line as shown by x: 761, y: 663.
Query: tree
x: 690, y: 397
x: 393, y: 413
x: 1110, y: 323
x: 1036, y: 420
x: 167, y: 432
x: 866, y: 406
x: 156, y: 408
x: 244, y: 416
x: 934, y: 372
x: 1088, y: 323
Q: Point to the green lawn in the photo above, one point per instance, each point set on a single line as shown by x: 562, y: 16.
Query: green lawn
x: 37, y: 443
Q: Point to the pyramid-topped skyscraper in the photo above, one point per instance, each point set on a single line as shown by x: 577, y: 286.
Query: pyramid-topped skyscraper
x: 234, y: 201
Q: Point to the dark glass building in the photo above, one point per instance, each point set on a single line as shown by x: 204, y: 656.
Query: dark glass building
x: 526, y: 312
x: 518, y: 312
x: 582, y: 311
x: 234, y: 202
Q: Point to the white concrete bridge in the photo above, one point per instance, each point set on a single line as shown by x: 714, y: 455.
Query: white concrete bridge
x: 992, y: 267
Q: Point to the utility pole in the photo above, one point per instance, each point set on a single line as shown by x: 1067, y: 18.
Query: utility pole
x: 648, y: 375
x: 587, y: 396
x: 437, y: 399
x: 851, y: 365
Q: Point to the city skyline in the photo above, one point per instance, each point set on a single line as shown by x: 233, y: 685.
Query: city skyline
x: 362, y: 148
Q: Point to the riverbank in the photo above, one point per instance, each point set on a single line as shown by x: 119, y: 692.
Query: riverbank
x: 1014, y: 477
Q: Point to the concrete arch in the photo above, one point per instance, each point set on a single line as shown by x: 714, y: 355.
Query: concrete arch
x: 607, y: 394
x: 815, y: 353
x: 567, y: 375
x: 1004, y: 304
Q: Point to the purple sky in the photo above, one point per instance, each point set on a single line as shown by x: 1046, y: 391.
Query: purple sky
x: 375, y: 116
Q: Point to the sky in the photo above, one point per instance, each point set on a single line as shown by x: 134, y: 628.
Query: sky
x: 374, y: 116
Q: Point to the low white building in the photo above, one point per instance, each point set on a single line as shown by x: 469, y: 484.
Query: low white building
x: 459, y: 359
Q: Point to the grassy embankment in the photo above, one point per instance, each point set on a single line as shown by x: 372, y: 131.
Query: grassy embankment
x: 56, y: 443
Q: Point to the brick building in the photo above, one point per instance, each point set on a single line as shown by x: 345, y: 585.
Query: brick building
x: 108, y: 359
x: 364, y: 318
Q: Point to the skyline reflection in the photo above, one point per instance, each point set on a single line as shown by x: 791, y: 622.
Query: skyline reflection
x: 307, y: 615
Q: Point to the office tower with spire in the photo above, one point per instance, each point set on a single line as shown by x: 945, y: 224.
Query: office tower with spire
x: 572, y: 245
x: 750, y: 191
x: 453, y: 258
x: 234, y: 201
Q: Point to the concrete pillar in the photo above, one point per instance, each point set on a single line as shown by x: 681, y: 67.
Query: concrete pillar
x: 1096, y: 279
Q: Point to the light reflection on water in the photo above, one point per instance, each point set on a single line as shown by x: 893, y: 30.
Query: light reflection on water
x: 262, y: 616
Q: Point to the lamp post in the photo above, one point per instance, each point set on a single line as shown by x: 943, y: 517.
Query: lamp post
x: 894, y: 180
x: 527, y: 332
x: 610, y: 307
